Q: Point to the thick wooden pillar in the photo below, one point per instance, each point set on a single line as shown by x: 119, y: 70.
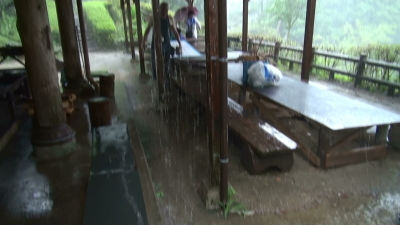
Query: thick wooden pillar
x: 69, y: 42
x: 223, y: 97
x: 51, y: 136
x: 212, y: 52
x: 157, y: 45
x: 308, y: 41
x: 245, y: 26
x: 122, y: 3
x: 128, y: 7
x: 140, y: 36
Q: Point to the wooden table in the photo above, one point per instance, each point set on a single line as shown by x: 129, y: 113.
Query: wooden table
x: 332, y: 113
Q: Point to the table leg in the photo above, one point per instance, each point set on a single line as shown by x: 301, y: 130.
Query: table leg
x: 381, y: 134
x: 11, y: 105
x: 324, y: 144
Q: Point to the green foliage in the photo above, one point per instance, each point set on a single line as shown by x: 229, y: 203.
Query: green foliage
x: 289, y: 12
x: 53, y: 20
x: 8, y: 32
x: 231, y: 206
x: 101, y: 23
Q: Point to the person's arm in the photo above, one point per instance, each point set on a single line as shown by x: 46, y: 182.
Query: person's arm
x: 176, y: 34
x: 146, y: 33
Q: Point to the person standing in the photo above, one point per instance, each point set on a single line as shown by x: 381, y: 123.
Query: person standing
x: 167, y: 25
x: 192, y: 25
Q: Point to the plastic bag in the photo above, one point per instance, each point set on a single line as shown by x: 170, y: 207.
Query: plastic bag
x: 262, y: 74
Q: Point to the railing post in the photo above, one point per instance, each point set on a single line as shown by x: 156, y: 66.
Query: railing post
x: 250, y: 49
x: 276, y: 51
x: 313, y: 60
x: 360, y: 69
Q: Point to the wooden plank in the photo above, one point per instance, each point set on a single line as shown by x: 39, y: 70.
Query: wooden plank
x: 347, y: 138
x: 278, y: 125
x: 355, y: 156
x: 149, y: 195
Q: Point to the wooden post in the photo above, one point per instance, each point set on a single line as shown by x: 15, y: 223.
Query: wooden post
x: 128, y: 7
x: 212, y: 51
x: 107, y: 85
x: 51, y: 136
x: 250, y: 48
x: 245, y: 26
x: 140, y: 36
x: 324, y: 143
x: 69, y: 42
x: 360, y: 69
x: 122, y: 3
x: 85, y: 45
x: 308, y: 41
x: 157, y: 45
x: 276, y: 51
x: 381, y: 134
x: 99, y: 111
x: 223, y: 97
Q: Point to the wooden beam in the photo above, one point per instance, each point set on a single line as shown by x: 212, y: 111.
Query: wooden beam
x: 212, y: 51
x: 69, y: 42
x: 128, y: 7
x: 245, y: 26
x: 140, y: 36
x: 223, y: 96
x: 278, y: 125
x: 355, y: 156
x: 157, y: 45
x: 347, y: 138
x: 122, y: 3
x: 308, y: 41
x: 85, y: 45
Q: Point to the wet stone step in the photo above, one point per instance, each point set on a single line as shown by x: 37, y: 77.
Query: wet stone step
x: 114, y: 194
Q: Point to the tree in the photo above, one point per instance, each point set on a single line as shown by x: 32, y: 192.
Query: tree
x: 289, y: 12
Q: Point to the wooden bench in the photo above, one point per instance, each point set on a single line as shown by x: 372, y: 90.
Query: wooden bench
x: 262, y: 146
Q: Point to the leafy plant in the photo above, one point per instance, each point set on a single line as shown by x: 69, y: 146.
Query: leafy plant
x: 101, y: 23
x: 231, y: 206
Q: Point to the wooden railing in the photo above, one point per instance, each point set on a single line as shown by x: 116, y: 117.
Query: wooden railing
x: 359, y: 69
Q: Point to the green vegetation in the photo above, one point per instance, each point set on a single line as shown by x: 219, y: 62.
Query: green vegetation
x: 101, y: 23
x: 232, y: 206
x: 53, y: 20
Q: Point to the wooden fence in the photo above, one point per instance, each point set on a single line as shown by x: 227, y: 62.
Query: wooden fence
x: 359, y: 69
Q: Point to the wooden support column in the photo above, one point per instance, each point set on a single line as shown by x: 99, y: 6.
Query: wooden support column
x: 122, y: 3
x: 213, y: 122
x: 51, y: 136
x: 245, y: 26
x: 308, y: 41
x: 223, y: 97
x: 140, y: 36
x: 85, y: 45
x: 69, y: 43
x: 157, y: 45
x: 128, y: 7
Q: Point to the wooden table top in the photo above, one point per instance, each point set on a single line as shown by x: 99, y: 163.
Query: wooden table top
x: 335, y: 111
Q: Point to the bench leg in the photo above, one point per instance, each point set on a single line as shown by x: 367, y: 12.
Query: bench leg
x: 256, y: 165
x: 324, y: 144
x: 11, y: 105
x: 381, y: 134
x: 242, y: 96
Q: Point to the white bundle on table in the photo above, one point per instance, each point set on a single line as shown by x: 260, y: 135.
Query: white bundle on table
x: 262, y: 74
